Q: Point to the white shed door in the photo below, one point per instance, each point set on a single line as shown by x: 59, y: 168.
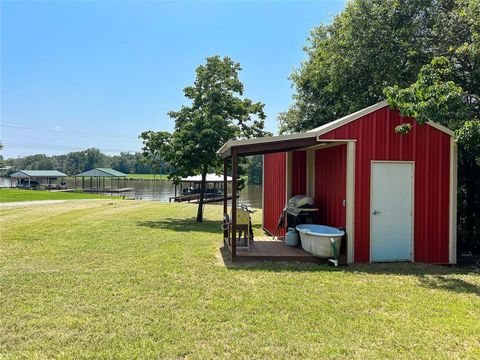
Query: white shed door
x: 391, y: 211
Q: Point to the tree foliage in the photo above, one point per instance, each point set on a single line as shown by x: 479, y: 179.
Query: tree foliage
x: 218, y: 112
x: 447, y: 91
x: 255, y: 169
x: 373, y: 44
x: 432, y: 97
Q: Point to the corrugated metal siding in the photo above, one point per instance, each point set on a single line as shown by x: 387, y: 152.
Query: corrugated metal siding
x: 274, y: 191
x: 429, y: 148
x: 330, y: 185
x: 299, y: 173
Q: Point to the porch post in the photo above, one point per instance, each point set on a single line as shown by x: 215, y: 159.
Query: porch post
x: 350, y: 202
x: 234, y: 204
x: 225, y: 194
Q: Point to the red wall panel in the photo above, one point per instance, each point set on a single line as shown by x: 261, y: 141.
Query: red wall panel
x: 429, y: 148
x: 330, y: 185
x: 299, y: 173
x: 274, y: 191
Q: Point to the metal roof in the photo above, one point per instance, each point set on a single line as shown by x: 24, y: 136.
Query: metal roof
x: 320, y: 130
x: 210, y: 178
x: 38, y: 173
x: 101, y: 172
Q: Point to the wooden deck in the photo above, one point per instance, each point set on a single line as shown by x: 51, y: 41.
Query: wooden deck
x: 263, y: 248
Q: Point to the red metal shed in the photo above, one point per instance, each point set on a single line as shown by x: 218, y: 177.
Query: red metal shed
x: 394, y: 194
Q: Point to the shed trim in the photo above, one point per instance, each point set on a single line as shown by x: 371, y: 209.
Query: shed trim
x: 453, y: 203
x: 321, y: 130
x: 318, y: 131
x: 262, y: 140
x: 350, y: 202
x: 263, y: 190
x: 347, y: 119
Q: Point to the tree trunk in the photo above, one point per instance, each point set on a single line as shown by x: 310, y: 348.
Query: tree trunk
x: 202, y: 195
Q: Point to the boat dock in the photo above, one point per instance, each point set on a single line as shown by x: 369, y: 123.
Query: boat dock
x: 108, y: 190
x: 195, y: 198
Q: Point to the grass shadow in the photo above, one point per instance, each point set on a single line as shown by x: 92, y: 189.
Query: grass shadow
x: 183, y: 225
x: 449, y: 284
x: 428, y: 276
x: 273, y: 265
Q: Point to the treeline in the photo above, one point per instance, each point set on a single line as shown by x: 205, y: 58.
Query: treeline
x: 128, y: 163
x: 78, y: 161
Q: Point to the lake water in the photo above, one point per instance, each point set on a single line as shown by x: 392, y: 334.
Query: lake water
x: 161, y: 190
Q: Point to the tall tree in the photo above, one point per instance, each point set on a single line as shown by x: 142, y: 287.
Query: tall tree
x: 370, y: 45
x: 218, y: 112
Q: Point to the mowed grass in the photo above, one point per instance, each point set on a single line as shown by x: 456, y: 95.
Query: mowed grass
x: 14, y: 195
x: 131, y: 279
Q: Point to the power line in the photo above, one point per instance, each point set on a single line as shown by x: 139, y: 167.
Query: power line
x: 23, y: 145
x: 65, y: 131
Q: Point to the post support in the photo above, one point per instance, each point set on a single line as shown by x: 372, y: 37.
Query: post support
x: 225, y: 195
x: 234, y: 203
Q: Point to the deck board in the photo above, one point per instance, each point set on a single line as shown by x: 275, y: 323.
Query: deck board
x: 264, y: 248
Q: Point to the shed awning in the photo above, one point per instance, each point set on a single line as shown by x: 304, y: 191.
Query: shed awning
x: 210, y: 178
x: 101, y: 172
x: 38, y: 174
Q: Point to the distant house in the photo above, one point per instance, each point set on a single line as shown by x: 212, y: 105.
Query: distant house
x: 38, y: 179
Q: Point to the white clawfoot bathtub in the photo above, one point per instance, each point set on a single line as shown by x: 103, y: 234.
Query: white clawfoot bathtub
x: 320, y: 240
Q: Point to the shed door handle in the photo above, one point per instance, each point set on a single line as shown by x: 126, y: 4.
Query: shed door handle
x: 375, y: 212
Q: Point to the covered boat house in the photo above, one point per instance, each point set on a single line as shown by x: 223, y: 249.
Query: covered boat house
x: 103, y: 180
x: 190, y: 188
x: 394, y: 195
x: 38, y: 179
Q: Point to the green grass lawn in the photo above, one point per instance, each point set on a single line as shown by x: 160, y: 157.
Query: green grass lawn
x: 129, y: 279
x: 148, y: 176
x: 13, y: 195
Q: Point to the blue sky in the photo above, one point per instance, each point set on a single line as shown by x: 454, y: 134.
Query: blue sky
x: 78, y: 74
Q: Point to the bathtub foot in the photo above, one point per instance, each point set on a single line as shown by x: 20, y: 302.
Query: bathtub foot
x: 335, y: 252
x: 334, y: 261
